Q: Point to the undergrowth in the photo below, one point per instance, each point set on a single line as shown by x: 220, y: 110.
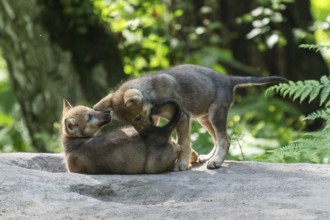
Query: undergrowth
x: 311, y: 147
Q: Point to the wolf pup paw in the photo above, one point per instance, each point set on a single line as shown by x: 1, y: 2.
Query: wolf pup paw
x: 213, y: 164
x: 181, y: 167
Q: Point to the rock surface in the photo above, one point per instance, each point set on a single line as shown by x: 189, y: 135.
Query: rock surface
x: 36, y: 186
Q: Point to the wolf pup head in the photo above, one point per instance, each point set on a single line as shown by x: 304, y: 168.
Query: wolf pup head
x: 81, y: 121
x: 129, y: 106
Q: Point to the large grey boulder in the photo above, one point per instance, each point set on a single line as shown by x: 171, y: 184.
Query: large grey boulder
x: 36, y: 186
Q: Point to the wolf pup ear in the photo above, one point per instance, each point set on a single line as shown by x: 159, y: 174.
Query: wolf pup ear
x: 132, y: 97
x: 70, y: 125
x: 66, y: 105
x: 104, y: 104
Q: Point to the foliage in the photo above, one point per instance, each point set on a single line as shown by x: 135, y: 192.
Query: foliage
x: 82, y: 12
x: 310, y: 89
x: 141, y: 30
x: 317, y: 48
x: 153, y: 35
x: 320, y: 9
x: 13, y: 135
x: 257, y: 124
x: 312, y: 146
x: 265, y: 21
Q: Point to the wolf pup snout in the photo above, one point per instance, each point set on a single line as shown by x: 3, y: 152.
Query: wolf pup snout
x: 107, y: 115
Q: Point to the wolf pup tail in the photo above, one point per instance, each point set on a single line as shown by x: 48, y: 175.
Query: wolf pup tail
x: 170, y: 126
x: 238, y: 81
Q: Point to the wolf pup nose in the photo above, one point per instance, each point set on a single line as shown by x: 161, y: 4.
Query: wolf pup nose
x: 106, y: 115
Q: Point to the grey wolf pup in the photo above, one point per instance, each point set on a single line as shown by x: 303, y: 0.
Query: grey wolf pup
x: 202, y: 93
x: 122, y: 151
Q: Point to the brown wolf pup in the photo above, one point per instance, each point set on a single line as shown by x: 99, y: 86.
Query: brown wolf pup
x: 122, y: 151
x: 202, y: 93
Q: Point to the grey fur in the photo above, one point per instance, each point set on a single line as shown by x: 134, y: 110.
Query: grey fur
x: 202, y: 93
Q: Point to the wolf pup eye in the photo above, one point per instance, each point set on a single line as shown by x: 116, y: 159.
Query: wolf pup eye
x: 89, y: 117
x: 138, y: 118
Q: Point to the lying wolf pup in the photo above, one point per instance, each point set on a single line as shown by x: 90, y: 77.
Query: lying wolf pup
x: 122, y: 151
x: 201, y: 92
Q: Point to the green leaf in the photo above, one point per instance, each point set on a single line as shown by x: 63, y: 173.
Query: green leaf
x: 6, y: 120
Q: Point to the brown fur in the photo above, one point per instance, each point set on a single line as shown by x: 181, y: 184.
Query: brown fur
x: 122, y: 151
x: 202, y: 94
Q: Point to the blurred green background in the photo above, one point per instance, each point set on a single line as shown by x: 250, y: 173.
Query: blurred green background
x: 82, y: 49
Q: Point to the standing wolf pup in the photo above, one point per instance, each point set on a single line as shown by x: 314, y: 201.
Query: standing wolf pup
x: 201, y: 92
x: 122, y: 151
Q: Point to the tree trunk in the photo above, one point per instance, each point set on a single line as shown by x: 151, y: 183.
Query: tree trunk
x: 48, y: 62
x: 94, y: 50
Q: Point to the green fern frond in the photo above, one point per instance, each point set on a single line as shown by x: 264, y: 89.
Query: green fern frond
x: 325, y: 80
x: 286, y: 89
x: 327, y: 104
x: 315, y: 90
x: 324, y: 114
x: 327, y: 128
x: 302, y: 90
x: 309, y: 149
x: 282, y: 153
x: 317, y: 48
x: 295, y: 90
x: 312, y: 146
x: 283, y: 89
